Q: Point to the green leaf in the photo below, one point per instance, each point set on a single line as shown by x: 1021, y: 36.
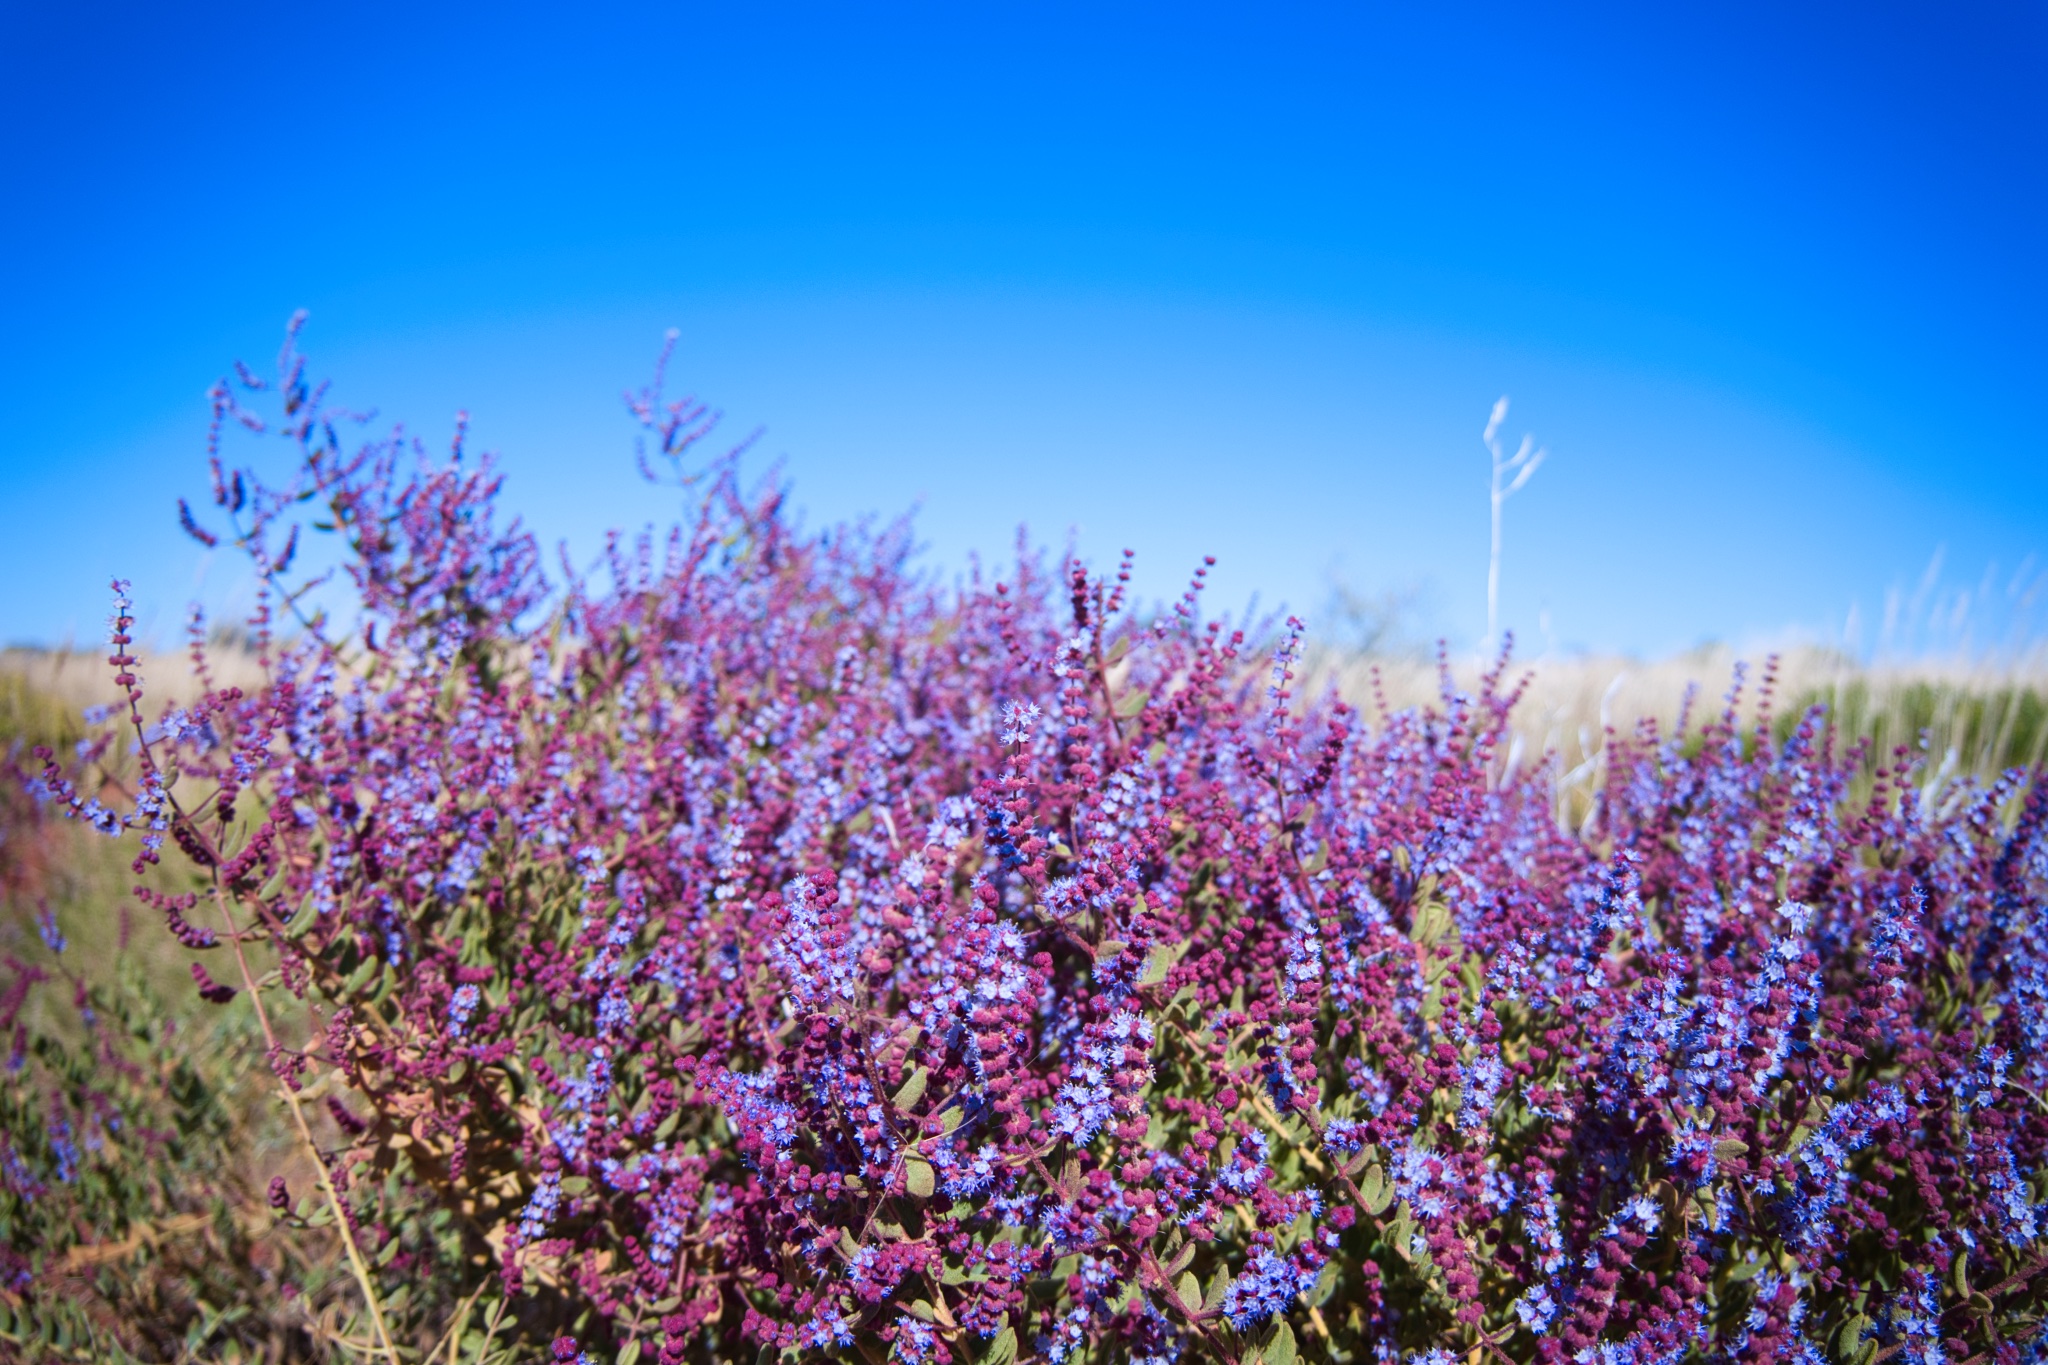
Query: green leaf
x: 1132, y: 702
x: 1731, y: 1149
x: 1400, y: 1230
x: 1325, y: 1285
x: 1430, y: 923
x: 1378, y: 1193
x: 361, y: 976
x: 1117, y: 652
x: 1160, y: 961
x: 1003, y: 1350
x: 1219, y: 1285
x: 1280, y: 1350
x: 913, y: 1089
x: 1190, y: 1290
x: 918, y: 1178
x: 631, y: 1354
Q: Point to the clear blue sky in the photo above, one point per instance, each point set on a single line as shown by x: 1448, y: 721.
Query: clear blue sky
x: 1768, y: 280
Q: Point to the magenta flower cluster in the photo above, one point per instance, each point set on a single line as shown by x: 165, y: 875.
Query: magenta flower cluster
x: 765, y: 947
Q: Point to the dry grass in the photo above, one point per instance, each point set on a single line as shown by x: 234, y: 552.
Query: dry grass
x: 33, y: 681
x: 1968, y: 717
x: 46, y: 861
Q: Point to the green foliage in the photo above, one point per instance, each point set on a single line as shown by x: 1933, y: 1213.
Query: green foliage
x: 1973, y: 731
x: 129, y: 1229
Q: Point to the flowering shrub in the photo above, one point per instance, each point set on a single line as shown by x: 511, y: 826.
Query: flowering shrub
x: 771, y: 952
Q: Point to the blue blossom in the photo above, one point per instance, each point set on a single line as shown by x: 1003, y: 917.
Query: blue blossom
x: 812, y: 950
x: 1018, y: 720
x: 1541, y: 1223
x: 2017, y: 1215
x: 1536, y: 1308
x: 153, y: 811
x: 1068, y: 1335
x: 750, y: 1106
x: 583, y: 1101
x: 915, y: 1340
x: 541, y: 1208
x: 64, y: 1148
x: 1980, y: 1085
x: 106, y: 821
x: 1246, y: 1169
x: 15, y: 1173
x: 1081, y: 1109
x: 1483, y: 1078
x: 1086, y: 1102
x: 971, y: 1175
x: 615, y: 1012
x: 460, y: 1007
x: 1270, y: 1282
x: 461, y: 868
x: 1343, y: 1135
x: 590, y: 866
x: 827, y: 1328
x: 1808, y: 1210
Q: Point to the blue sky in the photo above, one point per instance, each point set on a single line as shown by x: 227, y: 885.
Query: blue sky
x: 1765, y: 279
